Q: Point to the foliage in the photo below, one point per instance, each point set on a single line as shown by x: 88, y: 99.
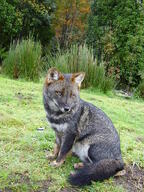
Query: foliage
x: 19, y: 18
x: 24, y: 60
x: 3, y: 54
x: 70, y: 21
x: 114, y: 29
x: 140, y: 90
x: 37, y: 17
x: 10, y: 22
x: 80, y: 58
x: 116, y: 32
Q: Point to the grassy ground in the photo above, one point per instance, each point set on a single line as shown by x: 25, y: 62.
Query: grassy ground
x: 23, y: 165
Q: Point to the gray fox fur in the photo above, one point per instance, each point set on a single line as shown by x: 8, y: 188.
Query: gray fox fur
x: 82, y: 128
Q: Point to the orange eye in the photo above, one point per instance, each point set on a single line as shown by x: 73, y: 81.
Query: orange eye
x: 72, y: 94
x: 58, y: 93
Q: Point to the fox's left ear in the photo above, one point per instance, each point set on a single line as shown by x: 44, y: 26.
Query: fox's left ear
x: 53, y: 75
x: 78, y: 78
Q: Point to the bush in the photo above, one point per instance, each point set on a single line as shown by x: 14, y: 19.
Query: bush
x: 18, y: 18
x: 24, y: 60
x: 80, y: 58
x: 108, y: 84
x: 116, y: 33
x: 3, y: 54
x: 140, y: 90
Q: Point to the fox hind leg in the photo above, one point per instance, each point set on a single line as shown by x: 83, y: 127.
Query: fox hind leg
x: 78, y: 165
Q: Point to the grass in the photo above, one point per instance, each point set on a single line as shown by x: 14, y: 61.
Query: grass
x: 24, y: 60
x: 23, y: 166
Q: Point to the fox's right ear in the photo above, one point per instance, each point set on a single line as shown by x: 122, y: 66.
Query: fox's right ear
x: 53, y: 75
x: 78, y: 78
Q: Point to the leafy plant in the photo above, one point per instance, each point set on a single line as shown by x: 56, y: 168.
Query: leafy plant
x: 3, y: 53
x: 140, y: 90
x: 70, y: 21
x: 116, y: 33
x: 20, y: 17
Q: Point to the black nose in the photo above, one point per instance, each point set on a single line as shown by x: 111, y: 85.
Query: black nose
x: 66, y: 108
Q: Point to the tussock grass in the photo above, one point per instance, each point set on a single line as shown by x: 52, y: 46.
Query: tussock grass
x: 24, y: 60
x: 80, y: 58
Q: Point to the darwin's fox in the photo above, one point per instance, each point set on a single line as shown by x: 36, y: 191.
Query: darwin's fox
x: 82, y: 128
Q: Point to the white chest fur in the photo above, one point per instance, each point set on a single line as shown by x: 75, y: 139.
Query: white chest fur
x: 60, y: 127
x: 81, y: 150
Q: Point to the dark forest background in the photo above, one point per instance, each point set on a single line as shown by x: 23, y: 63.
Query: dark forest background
x: 105, y: 38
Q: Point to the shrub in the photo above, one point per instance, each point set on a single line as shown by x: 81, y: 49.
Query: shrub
x: 140, y: 90
x: 3, y: 54
x: 23, y: 60
x: 108, y: 84
x: 18, y: 18
x: 116, y: 33
x: 80, y: 58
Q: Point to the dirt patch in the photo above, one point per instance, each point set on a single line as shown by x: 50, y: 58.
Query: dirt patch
x: 129, y: 129
x: 43, y: 185
x: 133, y: 180
x: 1, y: 116
x: 92, y: 99
x: 140, y: 139
x: 21, y: 96
x: 17, y: 179
x: 95, y: 99
x: 68, y: 190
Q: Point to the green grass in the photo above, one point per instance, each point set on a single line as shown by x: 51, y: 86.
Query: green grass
x: 23, y: 60
x: 23, y: 166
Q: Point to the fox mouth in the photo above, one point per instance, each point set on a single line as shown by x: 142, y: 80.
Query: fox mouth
x: 62, y: 109
x: 65, y: 111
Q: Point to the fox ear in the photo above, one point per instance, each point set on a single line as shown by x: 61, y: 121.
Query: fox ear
x: 53, y: 75
x: 78, y: 78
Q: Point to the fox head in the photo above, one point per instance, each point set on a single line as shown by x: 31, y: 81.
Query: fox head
x: 61, y: 91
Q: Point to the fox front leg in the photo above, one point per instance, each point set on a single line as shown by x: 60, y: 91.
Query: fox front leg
x: 66, y: 146
x: 52, y: 156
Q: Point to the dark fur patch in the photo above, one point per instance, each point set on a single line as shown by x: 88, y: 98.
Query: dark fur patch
x: 83, y: 137
x: 96, y: 172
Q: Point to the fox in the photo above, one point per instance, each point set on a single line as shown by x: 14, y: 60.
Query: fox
x: 80, y: 128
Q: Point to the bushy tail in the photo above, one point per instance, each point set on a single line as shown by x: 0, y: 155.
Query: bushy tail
x: 96, y: 172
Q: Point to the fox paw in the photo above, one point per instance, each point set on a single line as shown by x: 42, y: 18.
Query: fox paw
x: 120, y: 173
x: 78, y: 165
x: 50, y: 156
x: 72, y: 173
x: 56, y: 164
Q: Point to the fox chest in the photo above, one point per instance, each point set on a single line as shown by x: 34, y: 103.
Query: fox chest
x: 59, y: 127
